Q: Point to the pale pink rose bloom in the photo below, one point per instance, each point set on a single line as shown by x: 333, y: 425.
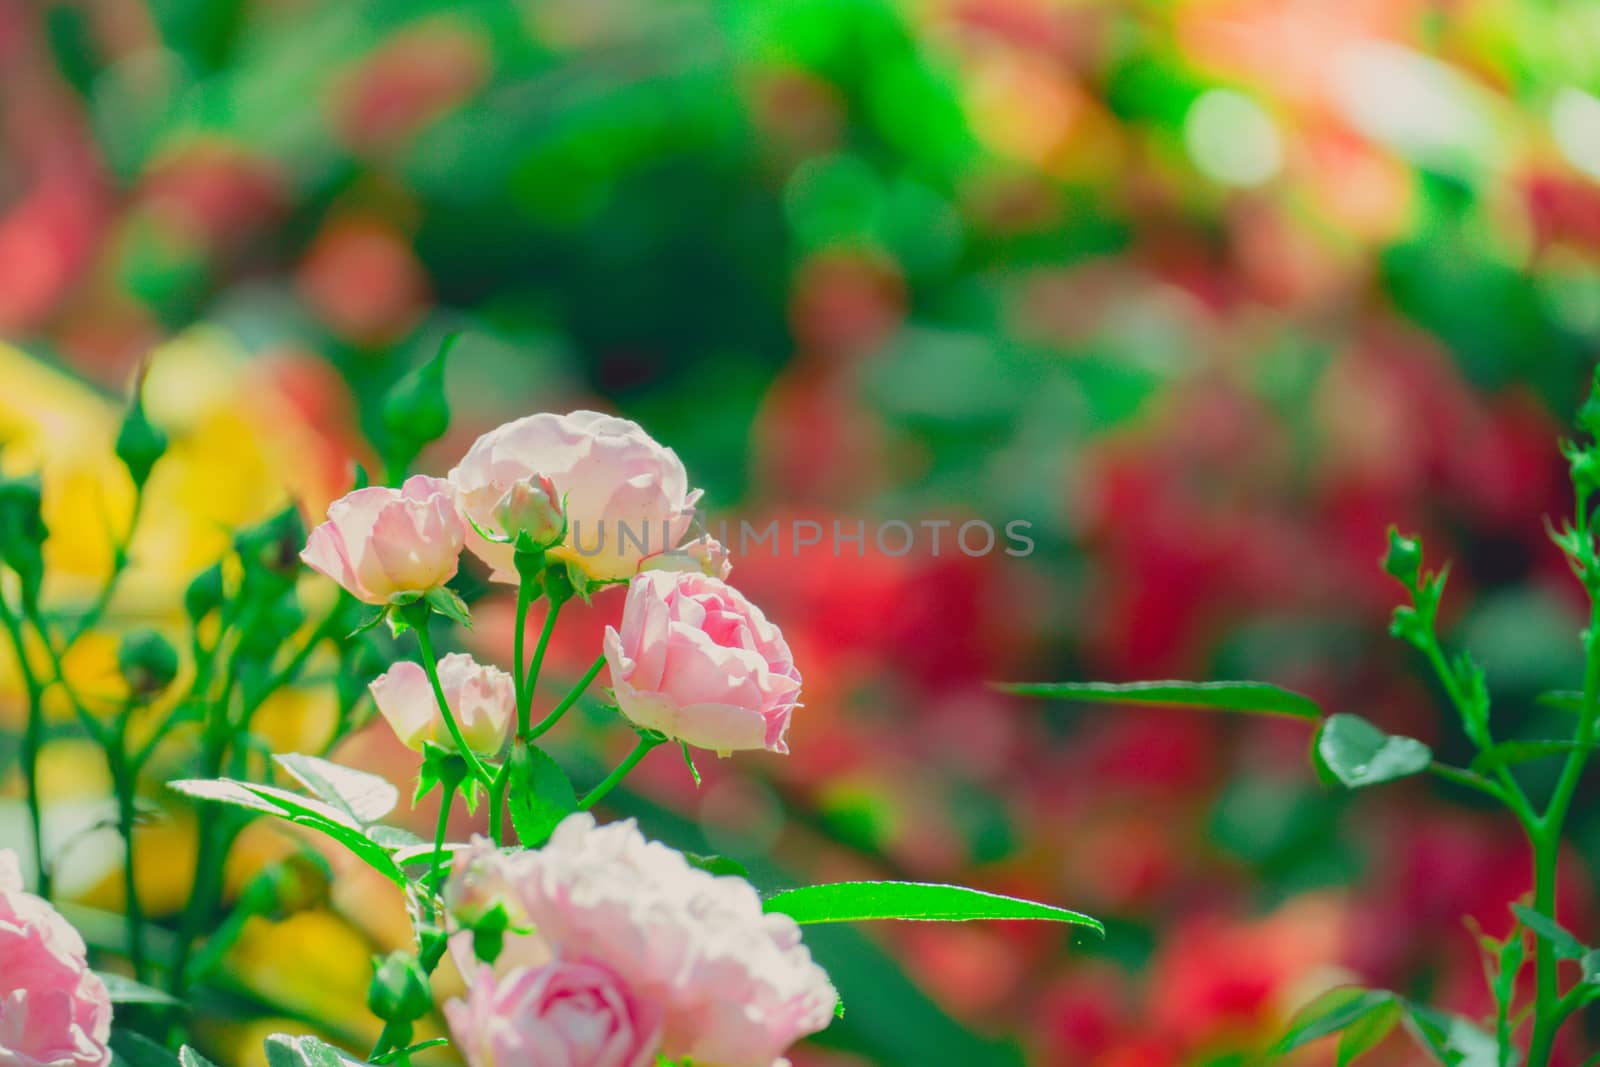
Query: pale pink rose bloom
x: 704, y: 554
x: 379, y: 542
x: 54, y: 1011
x: 697, y: 661
x: 737, y: 986
x: 567, y: 1013
x: 482, y: 698
x: 626, y: 495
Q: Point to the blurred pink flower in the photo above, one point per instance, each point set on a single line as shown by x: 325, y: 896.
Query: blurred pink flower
x: 624, y: 491
x: 379, y: 542
x: 483, y: 700
x: 54, y: 1011
x: 576, y: 1014
x: 697, y: 661
x: 737, y: 986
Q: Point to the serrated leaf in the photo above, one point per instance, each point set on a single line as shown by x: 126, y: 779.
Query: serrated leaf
x: 188, y: 1057
x: 302, y: 811
x: 541, y: 795
x: 1510, y: 753
x: 1566, y: 946
x: 1330, y: 1013
x: 912, y: 901
x: 1355, y: 753
x: 444, y: 600
x: 425, y: 851
x: 364, y: 797
x: 124, y: 990
x: 394, y: 838
x: 1256, y: 697
x: 306, y: 1051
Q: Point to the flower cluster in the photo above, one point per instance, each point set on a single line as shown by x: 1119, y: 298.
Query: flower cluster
x: 693, y: 660
x: 632, y: 953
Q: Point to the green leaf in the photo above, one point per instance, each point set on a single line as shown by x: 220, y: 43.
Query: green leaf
x: 688, y: 757
x: 1454, y: 1041
x: 394, y: 838
x: 307, y: 1051
x: 302, y: 811
x: 541, y: 795
x: 1591, y: 967
x: 1368, y: 1032
x: 1545, y: 928
x: 1330, y: 1013
x: 444, y: 600
x: 130, y: 1049
x: 364, y: 797
x: 1256, y: 697
x: 188, y: 1057
x: 1353, y: 752
x: 1508, y: 753
x: 125, y: 990
x: 842, y: 902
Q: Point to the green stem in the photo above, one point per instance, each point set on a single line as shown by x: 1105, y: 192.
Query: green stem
x: 32, y: 744
x: 524, y: 712
x: 124, y: 781
x: 594, y: 796
x: 1546, y: 842
x: 119, y: 564
x: 419, y: 625
x: 446, y: 800
x: 567, y: 701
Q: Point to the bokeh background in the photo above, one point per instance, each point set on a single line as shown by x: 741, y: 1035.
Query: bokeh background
x: 1208, y: 291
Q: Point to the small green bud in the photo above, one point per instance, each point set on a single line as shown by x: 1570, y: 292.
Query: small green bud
x: 140, y: 443
x: 204, y: 594
x: 399, y: 991
x: 23, y: 532
x: 416, y: 412
x: 273, y: 547
x: 1403, y: 561
x: 148, y: 662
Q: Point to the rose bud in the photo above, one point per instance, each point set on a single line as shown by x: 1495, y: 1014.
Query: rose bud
x: 482, y: 699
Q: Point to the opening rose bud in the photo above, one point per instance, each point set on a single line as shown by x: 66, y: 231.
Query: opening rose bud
x: 704, y: 554
x: 530, y: 511
x: 697, y: 661
x: 380, y: 543
x: 53, y: 1009
x: 482, y: 699
x: 626, y: 496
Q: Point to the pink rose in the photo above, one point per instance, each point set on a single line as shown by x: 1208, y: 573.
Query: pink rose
x: 626, y: 495
x: 54, y: 1011
x: 379, y: 542
x: 482, y: 699
x: 737, y: 986
x: 697, y: 661
x: 564, y: 1014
